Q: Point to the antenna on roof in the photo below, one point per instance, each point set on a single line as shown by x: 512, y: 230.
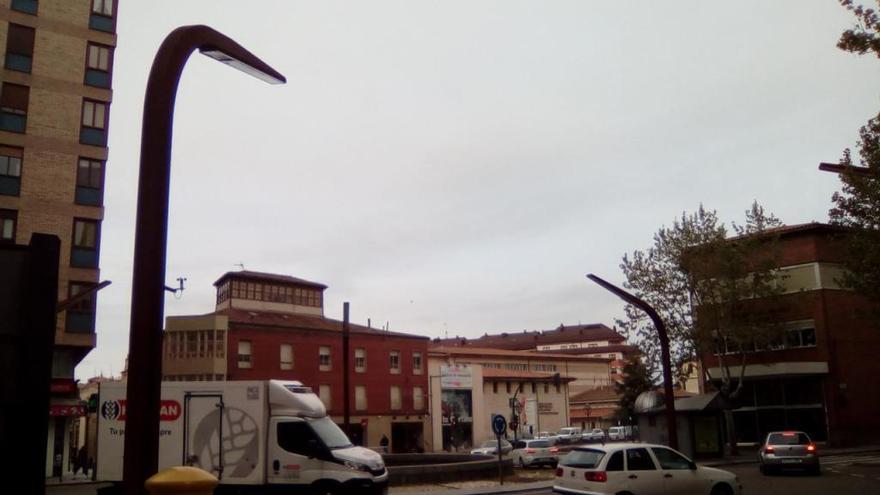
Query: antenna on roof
x: 240, y: 265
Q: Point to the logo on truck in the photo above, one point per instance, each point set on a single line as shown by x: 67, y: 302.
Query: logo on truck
x: 114, y: 410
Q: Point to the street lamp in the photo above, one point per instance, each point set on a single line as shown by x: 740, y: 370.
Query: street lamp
x: 148, y: 284
x: 671, y: 427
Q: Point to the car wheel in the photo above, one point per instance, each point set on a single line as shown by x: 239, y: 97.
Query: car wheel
x: 722, y: 489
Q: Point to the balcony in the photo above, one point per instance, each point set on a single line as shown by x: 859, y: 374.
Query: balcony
x: 20, y: 63
x: 26, y: 6
x: 101, y: 23
x: 84, y: 258
x: 13, y: 122
x: 84, y: 195
x: 97, y: 78
x: 80, y: 322
x: 10, y: 186
x: 93, y: 136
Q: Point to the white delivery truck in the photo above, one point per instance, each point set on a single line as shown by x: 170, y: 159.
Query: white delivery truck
x: 252, y: 435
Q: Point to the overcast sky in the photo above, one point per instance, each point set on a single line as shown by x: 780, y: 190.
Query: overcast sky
x: 458, y: 166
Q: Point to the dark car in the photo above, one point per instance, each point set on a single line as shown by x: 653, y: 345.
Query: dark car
x: 788, y: 449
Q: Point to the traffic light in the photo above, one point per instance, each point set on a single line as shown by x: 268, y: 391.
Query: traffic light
x: 92, y: 404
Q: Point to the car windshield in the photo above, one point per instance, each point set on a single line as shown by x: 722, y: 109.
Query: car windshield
x: 538, y: 444
x: 795, y: 438
x: 330, y: 433
x: 583, y: 458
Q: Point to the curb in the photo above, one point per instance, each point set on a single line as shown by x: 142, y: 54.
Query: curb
x: 493, y: 490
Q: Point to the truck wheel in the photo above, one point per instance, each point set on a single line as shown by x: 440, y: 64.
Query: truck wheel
x: 326, y: 488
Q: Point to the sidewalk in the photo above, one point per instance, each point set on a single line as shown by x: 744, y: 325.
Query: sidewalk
x: 473, y: 488
x: 70, y: 479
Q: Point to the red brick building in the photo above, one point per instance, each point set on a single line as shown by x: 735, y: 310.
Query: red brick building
x: 822, y: 377
x: 269, y: 326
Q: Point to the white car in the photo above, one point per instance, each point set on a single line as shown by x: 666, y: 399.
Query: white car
x: 595, y: 435
x: 537, y: 452
x: 490, y: 447
x: 640, y: 468
x: 570, y: 434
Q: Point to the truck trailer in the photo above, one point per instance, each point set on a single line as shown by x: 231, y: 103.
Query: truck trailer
x: 254, y: 436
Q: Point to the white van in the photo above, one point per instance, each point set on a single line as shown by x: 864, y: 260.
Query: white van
x: 620, y: 433
x: 251, y: 435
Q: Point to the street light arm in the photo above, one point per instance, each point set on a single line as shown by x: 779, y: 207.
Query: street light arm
x: 140, y: 459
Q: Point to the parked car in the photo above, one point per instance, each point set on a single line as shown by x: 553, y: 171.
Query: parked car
x: 620, y: 433
x: 594, y: 435
x: 571, y: 434
x: 490, y: 447
x: 537, y: 452
x: 788, y: 449
x: 638, y: 468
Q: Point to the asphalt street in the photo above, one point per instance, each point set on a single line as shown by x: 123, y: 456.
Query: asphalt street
x: 855, y: 474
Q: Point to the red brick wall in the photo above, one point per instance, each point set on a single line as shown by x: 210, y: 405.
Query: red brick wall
x: 266, y: 357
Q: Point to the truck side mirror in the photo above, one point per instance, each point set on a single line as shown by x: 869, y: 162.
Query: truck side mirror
x: 312, y: 448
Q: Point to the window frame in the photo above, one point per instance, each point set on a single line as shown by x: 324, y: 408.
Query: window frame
x: 87, y: 306
x: 363, y: 366
x: 282, y: 364
x: 418, y: 398
x: 249, y: 362
x: 394, y: 362
x: 110, y: 50
x: 365, y: 405
x: 103, y: 3
x: 101, y: 165
x: 21, y: 53
x: 74, y: 246
x: 10, y: 153
x: 322, y: 366
x: 94, y: 104
x: 417, y: 357
x: 649, y: 457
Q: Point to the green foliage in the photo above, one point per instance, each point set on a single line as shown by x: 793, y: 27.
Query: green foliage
x: 715, y: 294
x: 636, y: 379
x: 857, y: 204
x: 863, y: 38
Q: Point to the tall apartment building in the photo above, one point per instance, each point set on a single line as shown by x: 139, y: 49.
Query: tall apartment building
x: 54, y: 114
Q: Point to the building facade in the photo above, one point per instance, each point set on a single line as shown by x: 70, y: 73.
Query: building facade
x: 54, y: 119
x: 592, y: 340
x: 268, y: 326
x: 818, y: 378
x: 470, y: 384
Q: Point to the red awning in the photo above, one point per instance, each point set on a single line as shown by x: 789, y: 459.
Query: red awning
x: 72, y: 410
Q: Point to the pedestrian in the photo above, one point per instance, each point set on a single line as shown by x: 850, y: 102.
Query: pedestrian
x: 384, y: 444
x: 83, y: 460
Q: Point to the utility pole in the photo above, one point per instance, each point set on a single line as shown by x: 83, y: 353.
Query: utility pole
x: 346, y: 421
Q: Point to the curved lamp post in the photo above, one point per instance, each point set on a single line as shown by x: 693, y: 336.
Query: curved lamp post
x: 671, y: 426
x: 148, y: 285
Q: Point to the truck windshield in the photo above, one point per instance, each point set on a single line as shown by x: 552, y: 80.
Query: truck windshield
x: 330, y: 433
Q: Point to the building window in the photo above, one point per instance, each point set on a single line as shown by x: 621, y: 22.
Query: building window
x: 324, y: 358
x: 101, y: 18
x: 89, y: 182
x: 19, y: 48
x: 507, y: 386
x: 81, y: 314
x: 245, y: 359
x: 98, y: 63
x: 84, y: 252
x: 8, y: 220
x: 286, y: 357
x: 360, y: 360
x: 26, y: 6
x: 360, y: 398
x: 220, y: 345
x: 394, y: 361
x: 10, y: 171
x: 800, y: 337
x: 395, y: 398
x: 417, y: 363
x: 192, y: 343
x: 418, y: 398
x: 326, y: 396
x: 14, y: 107
x: 534, y: 387
x: 94, y: 123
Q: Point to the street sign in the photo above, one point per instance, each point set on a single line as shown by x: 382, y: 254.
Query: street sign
x: 499, y: 424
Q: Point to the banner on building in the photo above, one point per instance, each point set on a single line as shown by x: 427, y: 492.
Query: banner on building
x: 456, y: 376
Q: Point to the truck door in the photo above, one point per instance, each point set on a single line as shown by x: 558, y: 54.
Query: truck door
x: 203, y: 433
x: 289, y: 444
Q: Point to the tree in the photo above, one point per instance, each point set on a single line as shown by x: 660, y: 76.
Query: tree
x: 715, y: 294
x: 636, y: 379
x: 857, y: 204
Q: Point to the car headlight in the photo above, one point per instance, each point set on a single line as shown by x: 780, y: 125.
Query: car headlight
x: 356, y: 466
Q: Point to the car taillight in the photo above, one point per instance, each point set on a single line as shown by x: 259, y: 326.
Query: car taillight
x: 769, y: 449
x: 596, y: 476
x: 530, y: 451
x: 811, y: 447
x: 558, y: 472
x: 554, y: 450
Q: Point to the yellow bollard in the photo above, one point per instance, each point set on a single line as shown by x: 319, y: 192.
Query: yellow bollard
x: 181, y: 480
